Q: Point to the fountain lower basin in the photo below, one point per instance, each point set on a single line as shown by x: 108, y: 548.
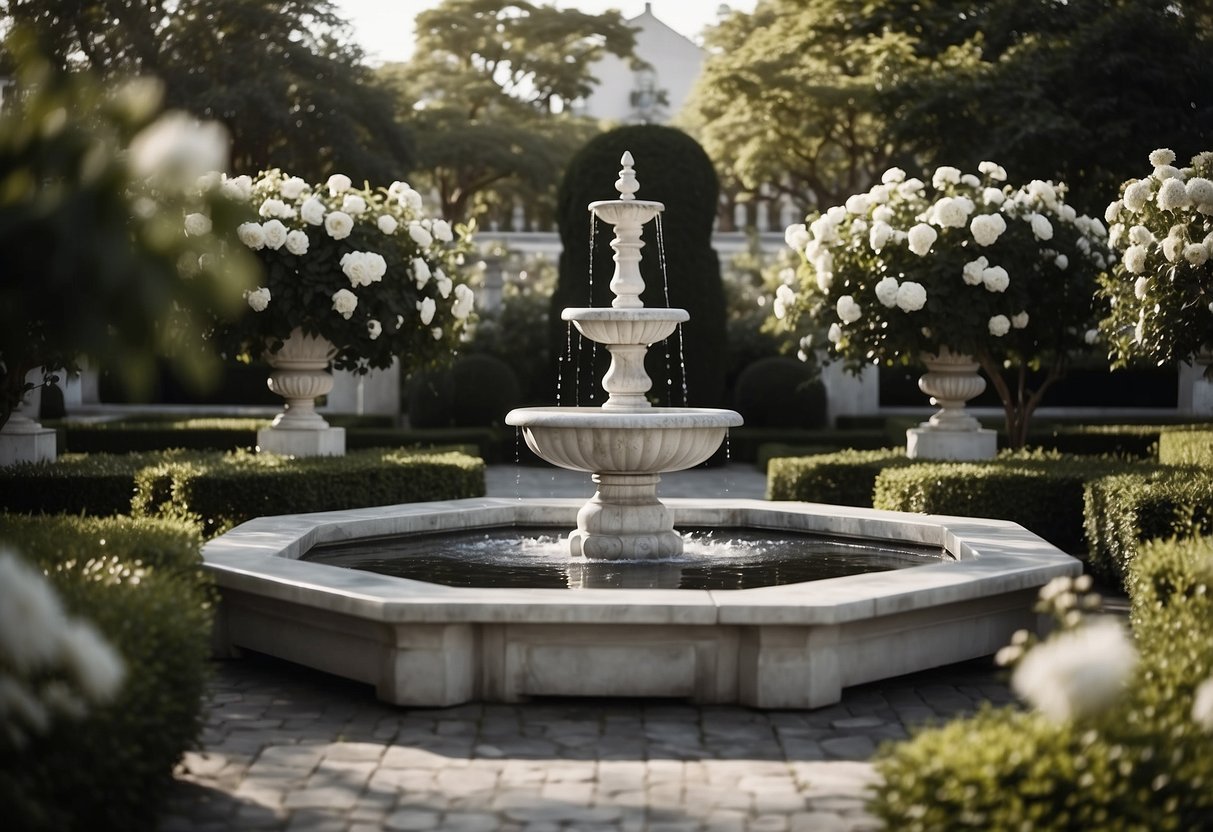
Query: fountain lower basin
x: 790, y: 646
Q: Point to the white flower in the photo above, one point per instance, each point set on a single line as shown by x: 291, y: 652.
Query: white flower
x: 338, y: 224
x: 275, y: 234
x: 987, y: 228
x: 1091, y: 336
x: 363, y: 267
x: 848, y: 310
x: 344, y: 303
x: 275, y: 208
x: 1020, y: 321
x: 886, y: 291
x: 441, y: 229
x: 796, y: 236
x: 297, y: 242
x: 995, y: 279
x: 993, y: 196
x: 258, y: 299
x: 1137, y: 195
x: 312, y: 211
x: 784, y: 297
x: 1200, y: 190
x: 1202, y: 704
x: 879, y: 234
x: 1061, y: 261
x: 421, y: 272
x: 834, y: 334
x: 338, y: 183
x: 409, y: 199
x: 911, y: 296
x: 387, y: 224
x: 945, y: 175
x: 1112, y: 211
x: 444, y: 284
x: 464, y: 300
x: 892, y: 176
x: 970, y: 181
x: 999, y: 325
x: 1077, y: 672
x: 197, y: 225
x: 825, y: 280
x: 824, y: 229
x: 374, y: 329
x: 879, y: 194
x: 1172, y: 247
x: 1162, y: 156
x: 1173, y: 195
x: 180, y: 146
x: 883, y: 213
x: 238, y: 188
x: 858, y: 204
x: 993, y: 171
x: 354, y: 205
x: 949, y: 213
x: 1042, y: 229
x: 426, y: 308
x: 437, y: 333
x: 973, y: 270
x: 292, y: 188
x: 1196, y: 254
x: 823, y: 263
x: 910, y: 187
x: 420, y: 236
x: 31, y: 616
x: 921, y: 238
x: 1140, y: 235
x: 1140, y: 286
x: 251, y: 235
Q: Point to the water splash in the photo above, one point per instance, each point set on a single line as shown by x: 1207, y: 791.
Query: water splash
x: 665, y: 281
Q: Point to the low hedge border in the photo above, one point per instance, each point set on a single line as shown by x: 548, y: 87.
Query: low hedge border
x: 1132, y: 441
x: 92, y: 484
x: 1186, y: 447
x: 133, y: 436
x: 140, y: 582
x: 844, y: 478
x: 1144, y: 764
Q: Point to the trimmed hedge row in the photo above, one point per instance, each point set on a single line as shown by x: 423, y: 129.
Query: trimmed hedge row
x: 1135, y: 441
x: 139, y: 581
x: 1122, y: 511
x: 844, y: 478
x: 215, y: 434
x: 1144, y: 764
x: 92, y: 484
x: 1043, y: 493
x: 1186, y: 447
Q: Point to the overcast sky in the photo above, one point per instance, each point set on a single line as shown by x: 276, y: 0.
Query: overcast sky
x: 385, y: 27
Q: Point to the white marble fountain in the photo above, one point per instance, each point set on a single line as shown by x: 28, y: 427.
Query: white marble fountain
x: 794, y: 645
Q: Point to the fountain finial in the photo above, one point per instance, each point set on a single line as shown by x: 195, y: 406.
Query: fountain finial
x: 626, y: 184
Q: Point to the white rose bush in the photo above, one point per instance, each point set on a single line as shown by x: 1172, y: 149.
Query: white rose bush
x: 1161, y: 291
x: 365, y: 268
x: 965, y: 262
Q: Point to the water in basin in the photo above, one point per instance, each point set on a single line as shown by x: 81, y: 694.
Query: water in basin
x: 538, y: 558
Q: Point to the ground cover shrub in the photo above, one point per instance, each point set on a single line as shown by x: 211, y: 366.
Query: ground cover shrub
x: 1128, y: 745
x: 222, y: 491
x: 1122, y: 511
x: 774, y: 450
x: 93, y: 484
x: 843, y: 478
x: 1186, y: 447
x: 139, y: 582
x: 214, y: 434
x: 1041, y: 492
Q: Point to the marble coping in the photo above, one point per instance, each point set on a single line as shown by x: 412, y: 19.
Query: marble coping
x: 986, y: 558
x: 651, y: 419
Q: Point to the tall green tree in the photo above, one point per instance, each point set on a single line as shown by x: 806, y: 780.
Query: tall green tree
x: 490, y: 91
x: 284, y: 76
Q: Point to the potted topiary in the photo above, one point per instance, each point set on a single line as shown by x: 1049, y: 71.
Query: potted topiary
x: 961, y: 273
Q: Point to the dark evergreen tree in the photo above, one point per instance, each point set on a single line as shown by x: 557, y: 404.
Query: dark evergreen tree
x: 672, y: 168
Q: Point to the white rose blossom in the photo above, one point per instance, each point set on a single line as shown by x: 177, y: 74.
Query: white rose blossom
x: 344, y: 303
x: 1042, y: 229
x: 993, y: 196
x: 312, y: 211
x: 338, y: 183
x: 834, y: 334
x: 421, y: 272
x: 1137, y: 195
x: 1140, y: 286
x: 1061, y: 261
x: 999, y: 325
x: 420, y: 236
x: 354, y: 205
x: 1135, y: 259
x: 1196, y: 253
x: 338, y: 225
x: 784, y: 297
x: 275, y: 208
x: 886, y: 291
x: 363, y: 267
x: 1078, y: 672
x: 1140, y: 235
x: 892, y: 176
x: 921, y: 238
x: 879, y: 234
x: 883, y: 213
x: 858, y: 204
x: 297, y: 242
x: 292, y: 188
x: 258, y: 299
x: 463, y: 303
x: 1020, y: 321
x: 1173, y: 195
x: 973, y: 270
x: 374, y: 329
x: 1113, y: 211
x: 1162, y: 156
x: 441, y: 229
x: 945, y: 175
x: 444, y: 284
x: 995, y: 279
x: 848, y: 310
x: 275, y: 234
x: 949, y: 213
x: 987, y: 228
x: 994, y: 171
x: 1202, y: 705
x: 251, y: 234
x: 238, y: 188
x: 197, y: 225
x: 426, y: 307
x: 796, y: 236
x: 911, y: 296
x: 1200, y: 190
x: 910, y: 187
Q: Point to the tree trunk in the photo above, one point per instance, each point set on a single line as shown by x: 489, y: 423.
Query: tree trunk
x: 1020, y: 404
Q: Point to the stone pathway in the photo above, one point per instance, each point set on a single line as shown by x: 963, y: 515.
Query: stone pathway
x: 286, y: 748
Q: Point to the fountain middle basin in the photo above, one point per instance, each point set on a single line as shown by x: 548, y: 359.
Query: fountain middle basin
x: 790, y: 646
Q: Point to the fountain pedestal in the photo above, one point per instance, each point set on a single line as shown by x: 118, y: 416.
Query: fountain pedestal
x: 624, y: 518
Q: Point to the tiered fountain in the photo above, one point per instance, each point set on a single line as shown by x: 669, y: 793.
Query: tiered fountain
x: 626, y: 443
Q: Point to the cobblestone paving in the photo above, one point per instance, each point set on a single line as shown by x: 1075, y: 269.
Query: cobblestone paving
x: 286, y: 748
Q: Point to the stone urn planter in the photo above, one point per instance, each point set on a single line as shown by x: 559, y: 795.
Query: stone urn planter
x: 951, y: 432
x: 23, y: 439
x: 300, y: 373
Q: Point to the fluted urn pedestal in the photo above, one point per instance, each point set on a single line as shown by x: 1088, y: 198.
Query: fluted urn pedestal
x: 300, y: 374
x: 951, y: 433
x: 626, y: 444
x: 23, y: 439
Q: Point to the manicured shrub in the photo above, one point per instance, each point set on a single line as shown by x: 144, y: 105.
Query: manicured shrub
x: 1043, y: 493
x: 95, y: 484
x: 139, y: 582
x: 1186, y: 447
x: 1143, y: 763
x: 1123, y: 511
x: 1136, y: 441
x: 774, y: 450
x: 845, y: 478
x: 780, y: 392
x: 141, y: 435
x: 223, y: 491
x: 673, y: 169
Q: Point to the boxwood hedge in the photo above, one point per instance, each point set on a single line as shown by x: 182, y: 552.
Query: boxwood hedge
x: 844, y: 478
x: 1186, y: 447
x: 95, y: 484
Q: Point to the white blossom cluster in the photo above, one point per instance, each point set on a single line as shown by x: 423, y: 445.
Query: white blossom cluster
x: 877, y: 260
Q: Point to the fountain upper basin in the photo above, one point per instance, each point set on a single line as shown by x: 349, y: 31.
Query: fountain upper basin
x: 608, y: 325
x: 650, y: 440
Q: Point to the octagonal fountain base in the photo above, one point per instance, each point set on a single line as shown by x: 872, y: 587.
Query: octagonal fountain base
x: 791, y: 646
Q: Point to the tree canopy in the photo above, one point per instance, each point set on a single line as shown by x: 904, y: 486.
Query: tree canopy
x: 490, y: 89
x: 284, y: 76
